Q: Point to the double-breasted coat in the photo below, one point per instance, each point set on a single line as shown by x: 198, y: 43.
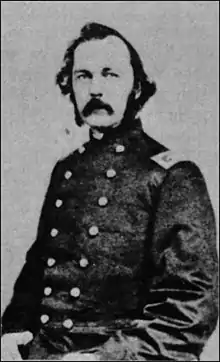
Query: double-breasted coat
x: 124, y: 265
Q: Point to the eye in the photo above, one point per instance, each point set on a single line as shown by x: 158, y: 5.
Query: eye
x: 82, y: 76
x: 111, y: 74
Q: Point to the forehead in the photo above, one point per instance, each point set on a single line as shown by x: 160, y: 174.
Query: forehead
x: 111, y: 52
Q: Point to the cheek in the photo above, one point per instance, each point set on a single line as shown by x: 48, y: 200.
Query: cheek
x: 123, y: 87
x: 120, y: 94
x: 81, y: 96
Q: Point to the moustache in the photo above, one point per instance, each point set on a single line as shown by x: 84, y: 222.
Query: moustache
x: 96, y: 104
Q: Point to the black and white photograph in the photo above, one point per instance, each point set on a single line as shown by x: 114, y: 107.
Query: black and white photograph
x: 110, y: 165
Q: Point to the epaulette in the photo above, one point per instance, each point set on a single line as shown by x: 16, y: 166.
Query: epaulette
x: 168, y: 158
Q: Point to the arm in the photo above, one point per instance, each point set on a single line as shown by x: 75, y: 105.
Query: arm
x: 21, y: 313
x: 182, y: 311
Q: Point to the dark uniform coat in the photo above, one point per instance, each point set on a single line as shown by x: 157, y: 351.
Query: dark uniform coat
x: 124, y: 265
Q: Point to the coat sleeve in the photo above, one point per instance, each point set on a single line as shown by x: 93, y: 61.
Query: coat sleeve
x: 181, y: 312
x: 21, y: 313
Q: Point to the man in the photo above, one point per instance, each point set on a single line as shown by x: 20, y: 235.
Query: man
x: 124, y: 266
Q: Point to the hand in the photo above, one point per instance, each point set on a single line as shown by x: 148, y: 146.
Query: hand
x: 78, y: 356
x: 10, y: 342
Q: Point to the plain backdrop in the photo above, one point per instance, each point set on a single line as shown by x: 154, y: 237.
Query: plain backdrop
x: 178, y: 43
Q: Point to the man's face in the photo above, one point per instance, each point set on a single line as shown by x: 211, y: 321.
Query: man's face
x: 102, y: 81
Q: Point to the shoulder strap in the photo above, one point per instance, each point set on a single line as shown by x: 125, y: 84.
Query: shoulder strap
x: 168, y: 158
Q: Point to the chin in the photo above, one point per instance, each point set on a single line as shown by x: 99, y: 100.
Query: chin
x: 101, y: 121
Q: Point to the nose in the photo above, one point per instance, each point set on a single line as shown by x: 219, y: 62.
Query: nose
x: 96, y: 88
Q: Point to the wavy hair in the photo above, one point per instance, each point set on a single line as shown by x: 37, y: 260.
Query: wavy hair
x: 143, y: 88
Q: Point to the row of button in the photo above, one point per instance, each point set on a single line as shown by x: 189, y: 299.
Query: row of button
x: 109, y: 173
x: 102, y: 201
x: 118, y: 148
x: 67, y: 323
x: 74, y: 292
x: 93, y: 231
x: 83, y: 262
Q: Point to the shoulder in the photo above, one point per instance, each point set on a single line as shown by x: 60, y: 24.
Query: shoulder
x: 181, y: 173
x: 68, y: 165
x: 173, y: 160
x: 70, y: 160
x: 61, y: 167
x: 169, y: 158
x: 161, y: 156
x: 171, y: 164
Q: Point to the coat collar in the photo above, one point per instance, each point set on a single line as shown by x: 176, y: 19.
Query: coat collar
x: 122, y: 132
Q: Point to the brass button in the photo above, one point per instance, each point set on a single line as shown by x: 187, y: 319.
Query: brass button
x: 75, y: 292
x: 67, y: 175
x: 111, y: 173
x: 44, y: 318
x: 59, y: 203
x: 54, y: 232
x: 68, y: 323
x: 102, y: 201
x: 93, y: 231
x: 119, y: 148
x: 51, y: 262
x: 83, y: 262
x: 47, y: 291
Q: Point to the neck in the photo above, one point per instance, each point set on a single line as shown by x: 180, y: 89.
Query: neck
x: 98, y: 132
x: 112, y: 132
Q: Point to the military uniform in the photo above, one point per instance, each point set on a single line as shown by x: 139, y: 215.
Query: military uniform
x: 124, y: 265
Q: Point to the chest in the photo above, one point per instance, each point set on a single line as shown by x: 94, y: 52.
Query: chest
x: 104, y: 208
x: 106, y: 189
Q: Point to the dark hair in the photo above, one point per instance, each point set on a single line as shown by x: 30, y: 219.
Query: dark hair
x: 143, y: 88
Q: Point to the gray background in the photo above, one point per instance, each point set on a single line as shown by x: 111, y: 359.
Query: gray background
x: 178, y: 42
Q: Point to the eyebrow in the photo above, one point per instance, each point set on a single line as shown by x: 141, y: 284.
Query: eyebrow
x: 81, y: 71
x: 106, y: 69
